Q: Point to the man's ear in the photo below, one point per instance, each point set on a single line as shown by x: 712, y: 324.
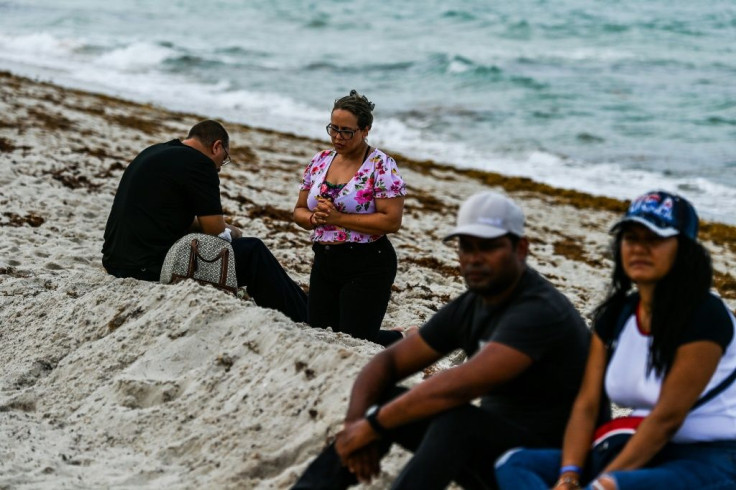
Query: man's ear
x: 522, y: 248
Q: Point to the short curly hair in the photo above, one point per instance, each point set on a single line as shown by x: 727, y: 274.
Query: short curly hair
x: 359, y: 106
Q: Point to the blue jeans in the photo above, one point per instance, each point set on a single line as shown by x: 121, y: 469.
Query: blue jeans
x: 702, y: 466
x: 267, y: 282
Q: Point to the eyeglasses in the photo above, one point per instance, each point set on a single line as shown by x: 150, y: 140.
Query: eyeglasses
x: 345, y: 134
x: 227, y: 157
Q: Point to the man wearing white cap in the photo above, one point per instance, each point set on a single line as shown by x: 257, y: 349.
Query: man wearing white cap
x: 526, y: 347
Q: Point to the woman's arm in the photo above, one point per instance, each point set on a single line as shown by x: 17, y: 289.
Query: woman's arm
x: 386, y: 219
x: 302, y: 215
x: 581, y: 425
x: 693, y: 367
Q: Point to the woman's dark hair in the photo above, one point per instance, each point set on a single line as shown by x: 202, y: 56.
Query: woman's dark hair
x: 359, y: 106
x: 675, y: 298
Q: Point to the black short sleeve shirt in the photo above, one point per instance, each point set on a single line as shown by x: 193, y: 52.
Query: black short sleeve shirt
x: 537, y: 320
x: 160, y: 193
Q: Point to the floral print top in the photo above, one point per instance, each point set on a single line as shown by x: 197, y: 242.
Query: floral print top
x: 377, y: 178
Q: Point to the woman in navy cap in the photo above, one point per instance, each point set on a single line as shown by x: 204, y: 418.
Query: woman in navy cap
x: 665, y: 349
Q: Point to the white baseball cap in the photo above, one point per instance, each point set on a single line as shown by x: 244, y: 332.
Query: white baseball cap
x: 488, y: 214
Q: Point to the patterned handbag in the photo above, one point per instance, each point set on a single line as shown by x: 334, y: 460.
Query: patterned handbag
x: 205, y: 258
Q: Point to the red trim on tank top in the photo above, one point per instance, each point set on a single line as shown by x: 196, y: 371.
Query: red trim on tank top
x: 638, y: 323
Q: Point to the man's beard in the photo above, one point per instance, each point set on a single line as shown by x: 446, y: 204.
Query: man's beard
x: 496, y: 284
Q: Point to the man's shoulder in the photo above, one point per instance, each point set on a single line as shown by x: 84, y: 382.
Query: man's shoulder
x: 174, y: 154
x: 456, y: 313
x: 468, y: 299
x: 536, y: 288
x: 174, y: 147
x: 540, y: 298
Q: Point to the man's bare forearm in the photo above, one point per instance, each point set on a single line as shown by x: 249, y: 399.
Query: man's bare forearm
x: 371, y: 383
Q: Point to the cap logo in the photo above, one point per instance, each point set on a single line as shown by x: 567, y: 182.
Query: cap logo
x: 653, y: 204
x: 497, y: 222
x: 663, y: 213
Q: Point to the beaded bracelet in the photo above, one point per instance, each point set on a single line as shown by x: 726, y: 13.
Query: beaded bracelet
x: 571, y: 468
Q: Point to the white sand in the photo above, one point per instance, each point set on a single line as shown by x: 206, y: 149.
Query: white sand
x: 110, y: 383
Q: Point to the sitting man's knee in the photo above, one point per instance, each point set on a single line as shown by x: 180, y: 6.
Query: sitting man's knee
x: 507, y: 457
x: 248, y: 244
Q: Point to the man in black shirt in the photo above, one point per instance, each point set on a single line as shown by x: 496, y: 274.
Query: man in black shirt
x: 526, y: 346
x: 171, y: 189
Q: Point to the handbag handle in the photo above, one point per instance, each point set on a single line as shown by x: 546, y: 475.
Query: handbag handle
x: 222, y: 255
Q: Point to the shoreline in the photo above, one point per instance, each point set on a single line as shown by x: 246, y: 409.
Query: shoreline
x: 581, y: 199
x: 117, y: 382
x: 715, y: 232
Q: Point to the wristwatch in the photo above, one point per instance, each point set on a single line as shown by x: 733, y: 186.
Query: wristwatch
x: 371, y: 415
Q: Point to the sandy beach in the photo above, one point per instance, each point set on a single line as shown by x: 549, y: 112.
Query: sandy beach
x: 117, y: 383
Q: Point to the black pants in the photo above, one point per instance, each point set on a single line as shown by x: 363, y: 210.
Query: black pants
x: 257, y: 269
x: 350, y: 287
x: 266, y: 281
x: 459, y: 445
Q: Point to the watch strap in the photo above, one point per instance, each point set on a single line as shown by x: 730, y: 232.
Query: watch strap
x: 372, y: 418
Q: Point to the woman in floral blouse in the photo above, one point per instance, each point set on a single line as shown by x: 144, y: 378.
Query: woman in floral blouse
x: 350, y: 198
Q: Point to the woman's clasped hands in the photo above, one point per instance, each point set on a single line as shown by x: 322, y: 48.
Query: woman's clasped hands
x: 326, y: 213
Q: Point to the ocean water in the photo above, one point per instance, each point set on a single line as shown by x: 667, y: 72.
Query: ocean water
x: 612, y: 98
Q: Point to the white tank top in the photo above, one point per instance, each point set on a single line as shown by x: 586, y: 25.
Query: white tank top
x: 628, y: 385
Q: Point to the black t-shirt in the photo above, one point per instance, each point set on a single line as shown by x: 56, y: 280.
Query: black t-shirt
x: 159, y: 195
x: 537, y: 320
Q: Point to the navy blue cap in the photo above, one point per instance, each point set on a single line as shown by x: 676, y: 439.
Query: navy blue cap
x: 664, y: 213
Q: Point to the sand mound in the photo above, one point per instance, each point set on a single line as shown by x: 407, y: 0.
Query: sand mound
x: 110, y: 383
